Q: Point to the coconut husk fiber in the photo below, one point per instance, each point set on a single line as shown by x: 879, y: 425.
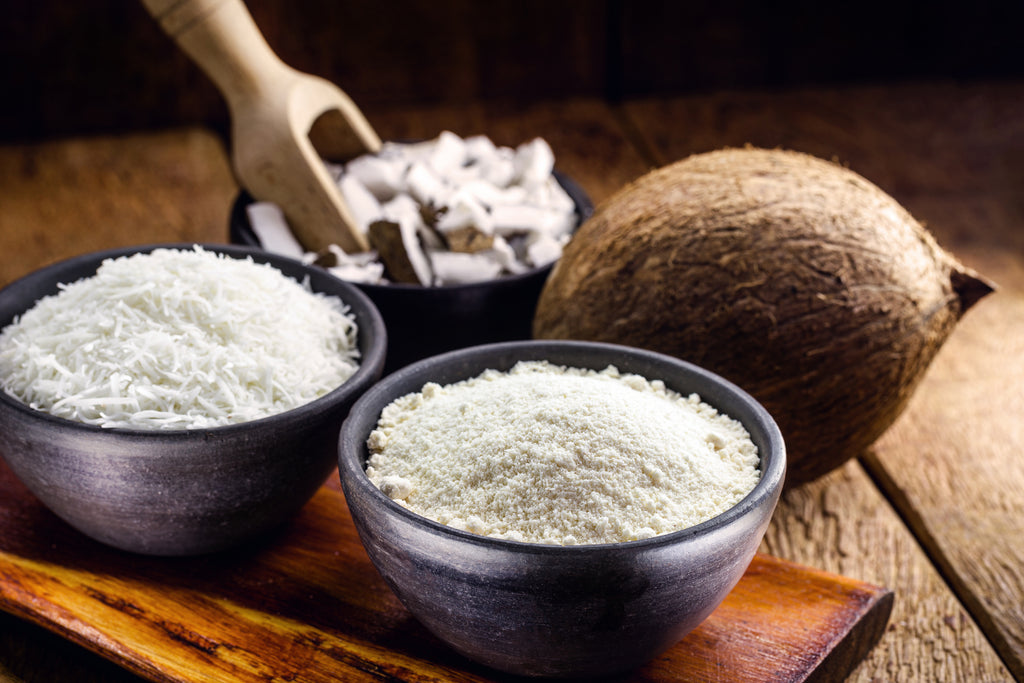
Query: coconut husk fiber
x: 795, y: 278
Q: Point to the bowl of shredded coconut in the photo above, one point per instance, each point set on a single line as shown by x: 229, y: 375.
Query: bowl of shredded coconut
x: 462, y: 232
x: 180, y: 399
x: 560, y: 508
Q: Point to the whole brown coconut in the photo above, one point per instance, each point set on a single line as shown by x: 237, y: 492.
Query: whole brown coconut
x: 793, y: 277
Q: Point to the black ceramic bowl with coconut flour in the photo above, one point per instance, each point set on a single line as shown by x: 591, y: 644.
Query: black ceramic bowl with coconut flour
x: 559, y: 610
x: 182, y: 491
x: 425, y: 321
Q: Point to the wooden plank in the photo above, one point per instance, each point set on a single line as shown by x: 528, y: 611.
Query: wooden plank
x: 770, y: 598
x: 309, y: 604
x: 30, y: 653
x: 61, y: 199
x: 842, y: 523
x: 956, y: 172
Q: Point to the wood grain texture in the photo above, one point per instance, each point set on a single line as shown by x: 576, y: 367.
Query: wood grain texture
x: 308, y: 605
x: 770, y: 597
x: 952, y: 465
x: 842, y: 523
x: 62, y: 199
x: 32, y: 654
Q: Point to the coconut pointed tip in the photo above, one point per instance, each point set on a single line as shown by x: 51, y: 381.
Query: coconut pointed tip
x: 969, y: 286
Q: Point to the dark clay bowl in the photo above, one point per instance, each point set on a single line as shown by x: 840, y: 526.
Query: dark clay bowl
x: 542, y: 610
x: 182, y: 492
x: 425, y: 321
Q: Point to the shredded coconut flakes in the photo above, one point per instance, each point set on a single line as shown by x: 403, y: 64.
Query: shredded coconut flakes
x: 178, y: 339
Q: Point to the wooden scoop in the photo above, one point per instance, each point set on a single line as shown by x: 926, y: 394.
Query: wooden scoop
x: 273, y: 111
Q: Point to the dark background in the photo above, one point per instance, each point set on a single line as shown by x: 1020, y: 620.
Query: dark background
x: 72, y: 68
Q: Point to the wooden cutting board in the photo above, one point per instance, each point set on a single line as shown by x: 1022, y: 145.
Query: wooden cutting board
x: 308, y: 606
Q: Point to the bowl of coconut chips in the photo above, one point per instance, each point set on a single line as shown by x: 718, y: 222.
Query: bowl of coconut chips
x: 180, y: 399
x: 463, y: 235
x: 560, y: 508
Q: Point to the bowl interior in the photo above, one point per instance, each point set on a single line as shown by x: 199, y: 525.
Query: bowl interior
x: 683, y: 377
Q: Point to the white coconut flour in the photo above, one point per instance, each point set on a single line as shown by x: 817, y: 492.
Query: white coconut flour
x: 178, y: 339
x: 556, y: 455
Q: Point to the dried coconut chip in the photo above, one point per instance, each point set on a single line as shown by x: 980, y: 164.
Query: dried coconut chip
x: 446, y: 195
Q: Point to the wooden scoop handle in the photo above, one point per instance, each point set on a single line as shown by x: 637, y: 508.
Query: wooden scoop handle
x: 273, y: 108
x: 222, y: 38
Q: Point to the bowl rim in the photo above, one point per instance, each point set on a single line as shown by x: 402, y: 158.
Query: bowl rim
x: 239, y: 224
x: 370, y: 364
x: 352, y: 447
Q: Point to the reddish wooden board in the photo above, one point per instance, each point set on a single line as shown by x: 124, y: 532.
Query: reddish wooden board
x: 308, y: 605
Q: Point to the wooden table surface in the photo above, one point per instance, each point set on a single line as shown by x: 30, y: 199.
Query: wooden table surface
x: 933, y: 511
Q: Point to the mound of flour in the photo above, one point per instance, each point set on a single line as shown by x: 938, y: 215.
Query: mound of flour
x: 556, y: 455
